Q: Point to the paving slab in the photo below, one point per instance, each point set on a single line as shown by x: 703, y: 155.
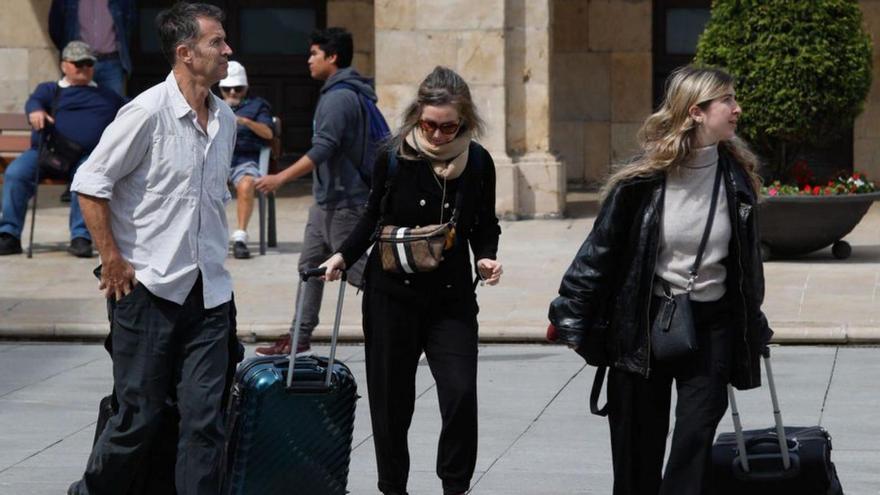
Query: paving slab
x: 536, y: 436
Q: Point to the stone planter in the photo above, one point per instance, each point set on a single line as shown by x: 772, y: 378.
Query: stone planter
x: 796, y: 225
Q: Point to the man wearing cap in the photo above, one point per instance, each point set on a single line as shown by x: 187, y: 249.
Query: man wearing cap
x: 254, y: 118
x: 81, y: 112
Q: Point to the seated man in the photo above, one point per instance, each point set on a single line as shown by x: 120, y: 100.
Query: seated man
x: 254, y: 116
x: 81, y: 113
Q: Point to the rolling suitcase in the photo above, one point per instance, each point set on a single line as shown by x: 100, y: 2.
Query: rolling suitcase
x: 291, y: 421
x: 775, y: 460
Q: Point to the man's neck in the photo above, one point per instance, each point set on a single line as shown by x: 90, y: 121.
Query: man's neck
x: 195, y: 90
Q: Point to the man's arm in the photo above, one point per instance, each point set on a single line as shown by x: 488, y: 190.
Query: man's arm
x: 117, y: 274
x: 38, y: 105
x: 271, y: 183
x: 260, y: 129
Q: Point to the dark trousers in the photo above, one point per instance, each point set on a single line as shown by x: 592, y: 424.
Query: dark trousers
x: 638, y: 413
x: 396, y: 332
x: 160, y: 347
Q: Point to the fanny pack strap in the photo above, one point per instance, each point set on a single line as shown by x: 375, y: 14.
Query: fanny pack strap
x: 389, y: 184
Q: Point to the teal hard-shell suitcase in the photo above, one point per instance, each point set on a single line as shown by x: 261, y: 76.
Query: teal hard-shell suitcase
x: 290, y: 424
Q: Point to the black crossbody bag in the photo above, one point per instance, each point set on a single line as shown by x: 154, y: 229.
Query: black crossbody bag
x: 673, y: 334
x: 57, y: 154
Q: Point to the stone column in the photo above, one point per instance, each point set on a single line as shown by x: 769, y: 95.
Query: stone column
x: 357, y: 17
x: 475, y: 39
x: 541, y: 176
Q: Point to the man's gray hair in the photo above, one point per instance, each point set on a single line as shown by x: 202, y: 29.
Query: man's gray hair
x: 179, y: 25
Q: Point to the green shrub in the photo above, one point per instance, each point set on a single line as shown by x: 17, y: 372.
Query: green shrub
x: 803, y: 69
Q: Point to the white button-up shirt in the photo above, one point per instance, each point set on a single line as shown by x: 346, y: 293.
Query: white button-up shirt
x: 165, y: 178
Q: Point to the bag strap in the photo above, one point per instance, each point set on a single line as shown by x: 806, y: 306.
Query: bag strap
x: 393, y: 165
x: 712, y: 208
x: 55, y: 98
x: 598, y: 380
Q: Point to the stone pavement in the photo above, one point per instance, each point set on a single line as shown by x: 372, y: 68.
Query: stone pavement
x: 814, y: 299
x: 536, y: 437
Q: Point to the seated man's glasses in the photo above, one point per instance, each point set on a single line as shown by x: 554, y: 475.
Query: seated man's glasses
x: 230, y: 89
x: 79, y: 64
x: 447, y: 128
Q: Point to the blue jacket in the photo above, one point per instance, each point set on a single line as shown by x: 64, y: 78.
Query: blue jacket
x: 82, y: 113
x: 64, y: 25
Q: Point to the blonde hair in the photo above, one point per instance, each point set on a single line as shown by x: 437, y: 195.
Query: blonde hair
x: 667, y: 136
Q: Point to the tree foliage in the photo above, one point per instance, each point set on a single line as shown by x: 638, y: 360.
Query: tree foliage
x: 803, y: 68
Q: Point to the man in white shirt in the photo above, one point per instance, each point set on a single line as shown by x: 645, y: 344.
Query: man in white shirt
x: 152, y: 194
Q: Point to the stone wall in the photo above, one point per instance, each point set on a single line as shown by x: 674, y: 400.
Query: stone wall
x: 601, y: 79
x: 502, y: 48
x: 866, y: 134
x: 357, y: 17
x: 27, y: 55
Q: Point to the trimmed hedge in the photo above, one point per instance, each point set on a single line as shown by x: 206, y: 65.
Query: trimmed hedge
x: 803, y: 68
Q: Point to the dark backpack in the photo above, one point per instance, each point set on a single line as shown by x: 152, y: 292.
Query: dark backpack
x: 376, y: 131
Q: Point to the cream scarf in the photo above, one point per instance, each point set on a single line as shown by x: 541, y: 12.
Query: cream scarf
x: 448, y: 160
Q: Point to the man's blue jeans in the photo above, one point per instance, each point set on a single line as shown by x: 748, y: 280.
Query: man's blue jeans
x: 19, y: 185
x: 110, y: 74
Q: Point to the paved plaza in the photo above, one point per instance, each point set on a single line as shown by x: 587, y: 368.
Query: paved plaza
x: 536, y: 436
x: 813, y: 299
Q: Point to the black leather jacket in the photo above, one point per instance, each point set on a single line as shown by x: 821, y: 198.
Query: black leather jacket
x: 608, y: 286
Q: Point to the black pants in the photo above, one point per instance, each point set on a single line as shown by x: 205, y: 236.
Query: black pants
x: 160, y: 346
x: 638, y: 413
x: 396, y: 333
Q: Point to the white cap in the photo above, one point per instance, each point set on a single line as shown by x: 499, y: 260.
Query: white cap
x: 235, y: 75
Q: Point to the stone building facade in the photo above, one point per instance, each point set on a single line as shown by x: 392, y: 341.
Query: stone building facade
x: 562, y: 84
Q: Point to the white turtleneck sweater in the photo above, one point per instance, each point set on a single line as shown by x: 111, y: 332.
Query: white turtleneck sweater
x: 685, y: 212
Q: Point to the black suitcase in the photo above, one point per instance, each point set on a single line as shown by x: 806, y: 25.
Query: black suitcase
x: 291, y: 421
x: 778, y: 460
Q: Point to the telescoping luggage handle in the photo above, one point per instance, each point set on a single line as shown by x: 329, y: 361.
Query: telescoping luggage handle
x: 300, y: 302
x: 777, y: 416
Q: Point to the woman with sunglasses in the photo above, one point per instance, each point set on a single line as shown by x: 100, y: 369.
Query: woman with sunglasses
x: 432, y: 173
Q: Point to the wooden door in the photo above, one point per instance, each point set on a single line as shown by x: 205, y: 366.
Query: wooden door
x: 268, y: 37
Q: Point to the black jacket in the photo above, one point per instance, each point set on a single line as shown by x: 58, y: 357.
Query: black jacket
x: 416, y: 199
x: 608, y: 287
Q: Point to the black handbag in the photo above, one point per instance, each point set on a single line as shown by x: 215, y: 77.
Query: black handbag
x: 673, y: 334
x: 57, y: 154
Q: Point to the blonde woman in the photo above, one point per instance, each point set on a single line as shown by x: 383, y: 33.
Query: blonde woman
x: 439, y: 174
x: 643, y: 248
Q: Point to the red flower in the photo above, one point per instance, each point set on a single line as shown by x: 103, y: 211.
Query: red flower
x: 807, y: 188
x: 816, y: 191
x: 857, y: 176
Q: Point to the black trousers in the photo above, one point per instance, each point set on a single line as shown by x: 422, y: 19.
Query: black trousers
x: 638, y: 412
x: 160, y: 346
x: 396, y: 332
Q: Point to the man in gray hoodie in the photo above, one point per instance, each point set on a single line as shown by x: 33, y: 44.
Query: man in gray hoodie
x: 335, y: 160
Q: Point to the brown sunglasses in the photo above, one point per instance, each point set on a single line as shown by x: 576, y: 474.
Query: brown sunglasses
x: 448, y: 128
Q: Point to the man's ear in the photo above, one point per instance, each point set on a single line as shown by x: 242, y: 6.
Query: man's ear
x: 183, y: 53
x: 332, y: 58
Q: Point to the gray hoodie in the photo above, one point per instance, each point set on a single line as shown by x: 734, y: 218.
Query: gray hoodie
x: 338, y: 142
